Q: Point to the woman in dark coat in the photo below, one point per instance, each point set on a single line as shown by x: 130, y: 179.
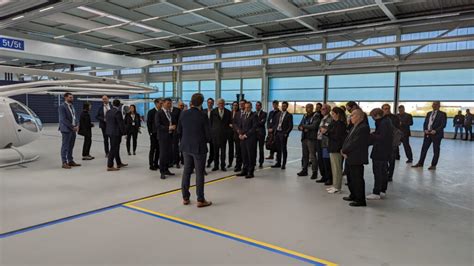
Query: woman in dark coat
x: 85, y: 130
x: 336, y: 133
x: 132, y: 127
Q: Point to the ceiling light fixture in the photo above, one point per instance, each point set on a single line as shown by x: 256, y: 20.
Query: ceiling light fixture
x: 193, y: 10
x: 46, y: 9
x: 19, y: 17
x: 145, y: 27
x: 97, y: 12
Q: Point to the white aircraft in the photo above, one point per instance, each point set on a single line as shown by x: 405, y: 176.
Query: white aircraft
x: 20, y: 125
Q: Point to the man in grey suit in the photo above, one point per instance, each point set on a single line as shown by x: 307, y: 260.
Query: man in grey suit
x: 68, y: 126
x: 309, y: 127
x: 194, y: 129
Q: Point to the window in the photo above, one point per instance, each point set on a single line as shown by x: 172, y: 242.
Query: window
x: 243, y: 63
x: 443, y: 85
x: 131, y: 71
x: 364, y: 53
x: 208, y: 88
x: 438, y: 47
x: 189, y: 88
x: 198, y: 66
x: 162, y: 69
x: 297, y: 88
x: 362, y: 87
x: 25, y: 117
x: 294, y: 59
x: 104, y: 73
x: 230, y: 88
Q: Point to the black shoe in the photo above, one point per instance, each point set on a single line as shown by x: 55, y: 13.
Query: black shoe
x: 283, y: 167
x: 302, y: 173
x: 178, y: 166
x: 260, y: 166
x: 168, y: 173
x: 134, y: 153
x: 215, y: 168
x: 409, y: 161
x: 390, y: 179
x: 347, y: 199
x: 129, y: 153
x: 314, y: 176
x: 208, y: 165
x: 417, y: 165
x: 163, y: 176
x: 321, y: 181
x: 223, y: 169
x: 242, y: 174
x: 357, y: 204
x: 153, y: 168
x: 276, y: 165
x: 249, y: 176
x: 229, y: 165
x: 328, y: 183
x: 205, y: 173
x: 237, y: 169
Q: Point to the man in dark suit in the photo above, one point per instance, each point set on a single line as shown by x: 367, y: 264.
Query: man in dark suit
x: 406, y: 120
x: 154, y: 154
x: 103, y: 109
x: 166, y: 125
x: 395, y: 151
x: 381, y: 139
x: 68, y: 126
x: 235, y: 125
x: 355, y: 151
x: 115, y: 130
x: 261, y: 132
x: 282, y: 127
x: 247, y: 130
x: 270, y: 124
x: 207, y: 112
x: 220, y: 121
x: 435, y: 122
x: 231, y: 141
x: 176, y: 113
x: 193, y: 128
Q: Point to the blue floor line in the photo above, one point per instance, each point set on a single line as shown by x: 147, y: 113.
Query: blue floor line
x: 62, y: 220
x: 230, y: 237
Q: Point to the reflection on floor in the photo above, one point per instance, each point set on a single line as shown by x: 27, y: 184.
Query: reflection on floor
x: 274, y: 219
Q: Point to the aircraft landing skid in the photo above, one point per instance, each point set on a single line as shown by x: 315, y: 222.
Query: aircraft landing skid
x: 22, y: 159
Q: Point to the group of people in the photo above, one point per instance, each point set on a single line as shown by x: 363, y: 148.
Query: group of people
x: 333, y: 144
x: 463, y: 122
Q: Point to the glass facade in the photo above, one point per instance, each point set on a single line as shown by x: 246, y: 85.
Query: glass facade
x: 362, y: 87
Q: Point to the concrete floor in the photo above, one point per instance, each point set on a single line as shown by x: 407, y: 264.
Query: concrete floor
x: 427, y: 218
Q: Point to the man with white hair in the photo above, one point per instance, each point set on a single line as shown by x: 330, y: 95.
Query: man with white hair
x: 220, y: 120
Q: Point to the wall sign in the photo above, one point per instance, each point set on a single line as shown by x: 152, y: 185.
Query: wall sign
x: 8, y: 43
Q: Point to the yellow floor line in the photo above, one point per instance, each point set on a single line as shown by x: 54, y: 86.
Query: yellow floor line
x: 222, y: 232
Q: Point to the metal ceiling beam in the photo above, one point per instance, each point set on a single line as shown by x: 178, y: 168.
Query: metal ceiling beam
x: 159, y: 24
x: 47, y: 30
x: 385, y: 10
x: 213, y: 16
x: 290, y: 10
x: 88, y: 24
x: 331, y: 50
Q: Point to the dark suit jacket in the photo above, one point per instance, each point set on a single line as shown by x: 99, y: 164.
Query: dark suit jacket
x: 382, y: 139
x: 248, y: 125
x: 286, y: 125
x: 439, y: 123
x: 406, y: 120
x: 356, y: 145
x: 66, y: 119
x: 150, y: 121
x: 271, y: 116
x: 311, y: 124
x: 85, y: 125
x: 336, y: 134
x: 162, y: 125
x: 262, y: 119
x: 236, y: 123
x: 129, y: 127
x: 220, y: 127
x: 193, y: 128
x: 101, y: 116
x: 115, y: 123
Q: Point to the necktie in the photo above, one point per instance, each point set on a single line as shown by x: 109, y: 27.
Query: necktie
x: 221, y: 113
x: 168, y: 115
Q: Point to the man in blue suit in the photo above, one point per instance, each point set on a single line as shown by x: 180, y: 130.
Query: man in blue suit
x: 68, y: 126
x: 435, y: 122
x: 194, y: 129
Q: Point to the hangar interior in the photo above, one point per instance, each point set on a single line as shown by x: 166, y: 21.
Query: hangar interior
x: 373, y: 52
